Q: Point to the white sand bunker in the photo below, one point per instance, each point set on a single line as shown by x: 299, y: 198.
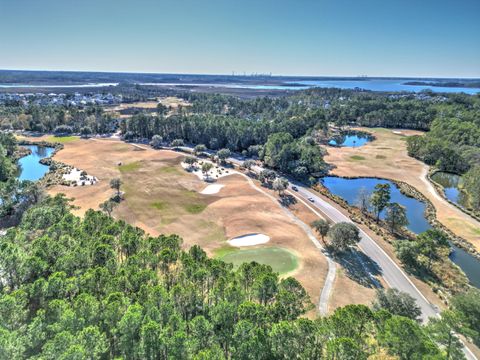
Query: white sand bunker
x: 249, y: 240
x: 212, y: 189
x: 216, y: 172
x: 77, y: 177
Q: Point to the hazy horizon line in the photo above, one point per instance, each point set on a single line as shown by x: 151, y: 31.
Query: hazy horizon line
x: 247, y: 74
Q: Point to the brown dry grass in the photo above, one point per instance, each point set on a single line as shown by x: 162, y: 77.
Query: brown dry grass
x: 387, y: 157
x: 159, y: 195
x: 170, y: 101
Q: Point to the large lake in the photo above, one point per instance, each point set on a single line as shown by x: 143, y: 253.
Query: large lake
x: 288, y: 84
x: 31, y: 169
x: 384, y: 85
x: 370, y: 84
x: 349, y: 189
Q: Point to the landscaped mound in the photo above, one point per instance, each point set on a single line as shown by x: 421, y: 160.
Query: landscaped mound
x: 212, y: 189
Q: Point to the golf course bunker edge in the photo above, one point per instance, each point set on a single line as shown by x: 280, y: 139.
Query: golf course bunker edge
x: 249, y: 240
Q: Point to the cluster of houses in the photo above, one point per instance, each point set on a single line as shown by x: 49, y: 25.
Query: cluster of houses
x: 424, y: 96
x: 75, y: 99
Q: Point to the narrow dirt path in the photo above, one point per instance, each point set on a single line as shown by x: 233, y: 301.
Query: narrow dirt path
x: 332, y: 267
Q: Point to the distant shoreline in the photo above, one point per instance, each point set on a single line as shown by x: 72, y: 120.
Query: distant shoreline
x: 467, y: 84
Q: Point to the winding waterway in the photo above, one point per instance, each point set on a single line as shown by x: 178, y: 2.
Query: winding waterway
x: 350, y: 189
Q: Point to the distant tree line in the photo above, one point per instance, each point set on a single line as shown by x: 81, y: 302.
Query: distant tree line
x: 453, y: 145
x: 60, y: 119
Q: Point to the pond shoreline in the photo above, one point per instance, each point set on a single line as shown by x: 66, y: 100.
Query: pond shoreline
x: 430, y: 211
x: 346, y: 133
x: 57, y: 169
x: 381, y: 230
x: 440, y: 190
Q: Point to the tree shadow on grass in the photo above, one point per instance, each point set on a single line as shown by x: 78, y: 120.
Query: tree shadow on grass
x: 360, y: 268
x: 287, y: 200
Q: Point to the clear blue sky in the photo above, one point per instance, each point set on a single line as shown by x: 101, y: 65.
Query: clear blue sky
x: 291, y: 37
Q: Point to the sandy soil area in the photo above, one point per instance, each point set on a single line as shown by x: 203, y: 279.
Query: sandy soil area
x: 212, y: 189
x: 249, y: 240
x: 171, y: 101
x: 75, y: 176
x: 387, y: 157
x: 214, y: 174
x: 161, y: 197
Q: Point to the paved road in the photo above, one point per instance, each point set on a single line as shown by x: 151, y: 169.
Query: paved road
x: 391, y: 272
x: 332, y: 266
x: 393, y: 275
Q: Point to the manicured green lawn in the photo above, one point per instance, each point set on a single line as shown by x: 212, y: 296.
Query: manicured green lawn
x: 170, y: 170
x: 130, y: 167
x: 195, y: 208
x: 357, y: 158
x: 159, y: 205
x: 281, y: 260
x: 62, y: 139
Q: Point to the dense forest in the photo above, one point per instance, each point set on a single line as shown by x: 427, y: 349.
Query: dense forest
x: 453, y: 145
x: 51, y: 118
x: 339, y: 106
x: 96, y: 288
x: 286, y: 139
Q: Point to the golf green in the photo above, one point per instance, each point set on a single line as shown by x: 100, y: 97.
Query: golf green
x: 281, y: 260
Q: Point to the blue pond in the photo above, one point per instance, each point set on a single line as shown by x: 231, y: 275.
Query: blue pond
x: 31, y: 169
x: 349, y: 189
x: 450, y: 183
x: 468, y: 263
x: 349, y: 140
